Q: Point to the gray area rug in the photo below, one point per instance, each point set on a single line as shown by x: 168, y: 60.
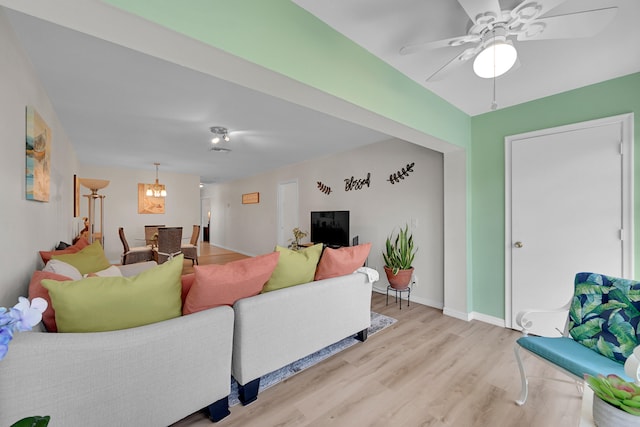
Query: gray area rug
x: 378, y: 323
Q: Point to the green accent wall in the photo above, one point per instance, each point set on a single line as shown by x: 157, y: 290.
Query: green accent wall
x: 280, y: 36
x: 610, y: 98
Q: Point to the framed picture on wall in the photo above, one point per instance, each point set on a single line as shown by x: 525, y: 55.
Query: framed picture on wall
x: 250, y: 198
x: 38, y: 157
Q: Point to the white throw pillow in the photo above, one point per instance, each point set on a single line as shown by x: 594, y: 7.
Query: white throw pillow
x: 112, y: 271
x: 62, y: 268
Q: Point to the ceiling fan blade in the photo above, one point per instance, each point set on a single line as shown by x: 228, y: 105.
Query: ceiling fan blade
x: 572, y: 25
x: 455, y: 63
x: 481, y: 9
x: 454, y: 41
x: 547, y: 5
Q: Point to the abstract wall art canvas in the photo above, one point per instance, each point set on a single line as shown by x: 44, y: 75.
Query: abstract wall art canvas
x: 38, y: 157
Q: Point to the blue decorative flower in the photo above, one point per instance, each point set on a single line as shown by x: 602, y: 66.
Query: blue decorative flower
x: 21, y: 317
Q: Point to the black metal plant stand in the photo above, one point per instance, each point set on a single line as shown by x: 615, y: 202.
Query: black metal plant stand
x: 399, y: 300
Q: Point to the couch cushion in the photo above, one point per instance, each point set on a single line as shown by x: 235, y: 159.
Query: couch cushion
x: 37, y: 290
x: 99, y: 304
x: 87, y: 260
x: 294, y: 267
x: 341, y: 261
x: 79, y: 245
x: 604, y: 314
x: 60, y: 267
x: 216, y: 285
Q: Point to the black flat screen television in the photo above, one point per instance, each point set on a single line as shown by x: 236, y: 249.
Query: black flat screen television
x: 330, y: 228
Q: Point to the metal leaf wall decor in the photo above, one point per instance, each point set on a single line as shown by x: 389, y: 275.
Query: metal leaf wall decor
x: 401, y: 174
x: 324, y: 188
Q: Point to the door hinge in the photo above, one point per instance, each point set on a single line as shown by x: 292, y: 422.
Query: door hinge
x: 621, y: 147
x: 622, y: 234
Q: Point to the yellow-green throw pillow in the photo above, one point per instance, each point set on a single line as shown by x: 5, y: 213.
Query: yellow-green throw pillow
x: 97, y: 304
x: 87, y: 260
x: 294, y: 267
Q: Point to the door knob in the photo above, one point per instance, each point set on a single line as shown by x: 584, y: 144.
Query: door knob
x: 518, y: 244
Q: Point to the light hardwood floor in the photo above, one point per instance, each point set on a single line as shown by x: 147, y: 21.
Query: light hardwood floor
x: 210, y: 254
x: 426, y: 370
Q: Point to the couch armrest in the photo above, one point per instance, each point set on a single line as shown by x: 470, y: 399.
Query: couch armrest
x: 279, y: 327
x: 526, y: 323
x: 150, y: 375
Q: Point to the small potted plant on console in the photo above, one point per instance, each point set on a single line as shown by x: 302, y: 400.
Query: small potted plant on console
x: 398, y: 258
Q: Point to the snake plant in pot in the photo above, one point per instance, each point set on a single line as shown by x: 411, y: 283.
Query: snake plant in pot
x: 398, y: 258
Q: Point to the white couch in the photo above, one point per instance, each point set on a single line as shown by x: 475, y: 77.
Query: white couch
x: 157, y: 374
x: 279, y: 327
x: 152, y: 375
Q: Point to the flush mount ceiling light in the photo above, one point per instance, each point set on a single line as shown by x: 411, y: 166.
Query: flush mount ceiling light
x: 156, y: 189
x: 496, y: 58
x: 219, y: 134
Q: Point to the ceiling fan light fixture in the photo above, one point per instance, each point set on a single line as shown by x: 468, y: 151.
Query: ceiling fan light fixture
x: 495, y: 59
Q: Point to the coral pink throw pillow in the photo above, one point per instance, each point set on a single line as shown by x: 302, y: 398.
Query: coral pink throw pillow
x: 187, y: 282
x: 37, y: 290
x: 79, y: 245
x: 341, y: 261
x: 217, y: 285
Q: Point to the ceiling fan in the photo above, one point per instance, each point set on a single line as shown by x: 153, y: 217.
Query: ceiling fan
x: 492, y: 29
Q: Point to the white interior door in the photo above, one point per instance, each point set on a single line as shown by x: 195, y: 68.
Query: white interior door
x: 287, y: 211
x: 566, y: 214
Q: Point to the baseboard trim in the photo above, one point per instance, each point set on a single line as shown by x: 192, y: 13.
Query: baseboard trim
x: 232, y: 249
x: 418, y: 300
x: 428, y: 302
x: 456, y: 314
x: 487, y: 319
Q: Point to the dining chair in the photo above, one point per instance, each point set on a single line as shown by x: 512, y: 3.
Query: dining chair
x: 190, y: 250
x: 151, y: 234
x: 135, y: 254
x: 169, y: 243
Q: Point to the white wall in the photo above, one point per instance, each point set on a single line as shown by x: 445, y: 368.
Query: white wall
x: 456, y: 289
x: 28, y: 226
x: 32, y: 226
x: 375, y: 211
x: 182, y: 205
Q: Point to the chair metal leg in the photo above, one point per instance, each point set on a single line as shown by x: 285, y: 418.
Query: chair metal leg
x: 523, y: 377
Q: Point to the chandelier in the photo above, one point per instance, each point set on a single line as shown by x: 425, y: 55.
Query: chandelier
x: 156, y: 189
